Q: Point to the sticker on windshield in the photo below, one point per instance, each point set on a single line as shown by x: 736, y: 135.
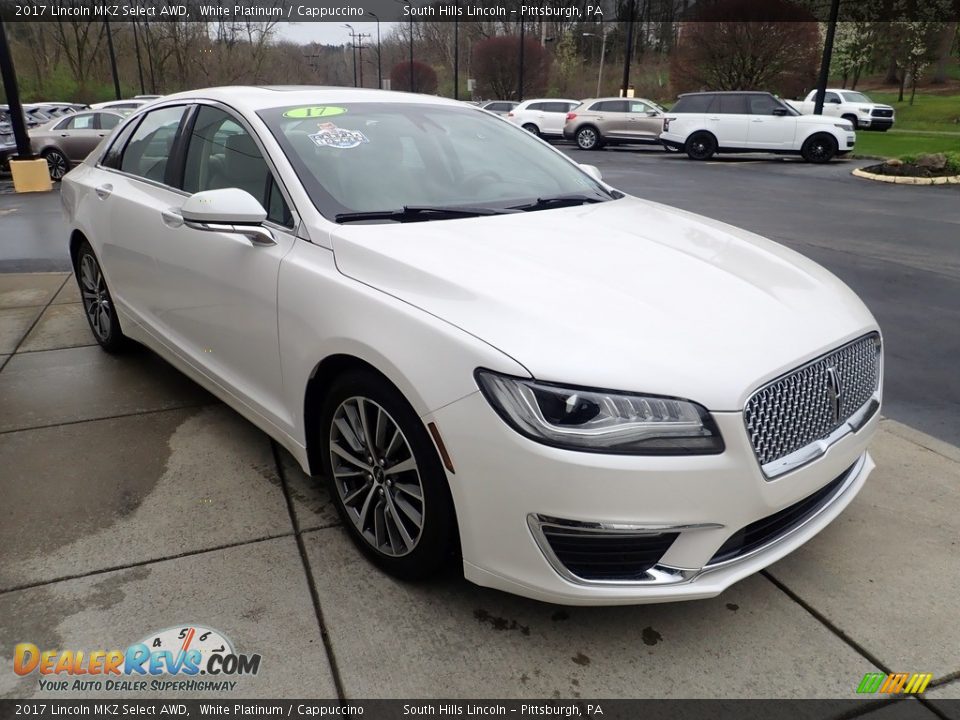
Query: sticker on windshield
x: 302, y: 113
x: 336, y: 137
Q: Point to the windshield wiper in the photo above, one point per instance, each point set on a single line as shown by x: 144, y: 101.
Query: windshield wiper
x: 418, y: 213
x: 556, y: 201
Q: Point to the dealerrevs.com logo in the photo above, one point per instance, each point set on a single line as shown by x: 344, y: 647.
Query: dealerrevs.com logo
x: 187, y: 658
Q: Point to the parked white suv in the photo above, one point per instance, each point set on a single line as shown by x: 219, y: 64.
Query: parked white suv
x: 861, y: 111
x: 703, y: 124
x: 542, y: 116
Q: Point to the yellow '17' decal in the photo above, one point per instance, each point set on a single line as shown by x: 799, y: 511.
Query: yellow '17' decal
x: 313, y: 112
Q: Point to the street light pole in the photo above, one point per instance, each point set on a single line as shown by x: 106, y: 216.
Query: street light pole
x: 113, y: 59
x: 520, y: 79
x: 603, y: 54
x: 353, y: 50
x: 628, y: 52
x: 13, y: 98
x: 456, y: 56
x: 379, y: 68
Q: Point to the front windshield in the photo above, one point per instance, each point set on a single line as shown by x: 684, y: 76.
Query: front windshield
x: 856, y: 97
x: 366, y: 157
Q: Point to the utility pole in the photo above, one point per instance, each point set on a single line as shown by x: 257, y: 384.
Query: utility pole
x: 113, y: 59
x: 359, y: 40
x: 825, y: 61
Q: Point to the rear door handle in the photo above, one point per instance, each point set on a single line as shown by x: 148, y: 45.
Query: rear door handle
x: 103, y: 191
x: 757, y: 120
x: 171, y: 218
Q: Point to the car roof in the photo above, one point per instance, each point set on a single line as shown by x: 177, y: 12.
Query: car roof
x: 726, y: 92
x: 613, y: 97
x: 253, y: 98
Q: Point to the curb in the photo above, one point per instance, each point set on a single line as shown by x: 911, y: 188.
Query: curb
x: 898, y: 180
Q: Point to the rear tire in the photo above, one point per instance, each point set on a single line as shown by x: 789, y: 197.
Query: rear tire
x: 57, y: 164
x: 589, y: 138
x: 532, y: 129
x: 379, y: 508
x: 97, y: 302
x: 819, y: 148
x: 700, y: 146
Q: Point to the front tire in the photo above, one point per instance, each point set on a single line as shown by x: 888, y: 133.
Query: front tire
x: 701, y: 146
x: 57, y: 164
x: 819, y: 148
x: 852, y: 119
x: 97, y: 302
x: 588, y: 138
x: 385, y: 478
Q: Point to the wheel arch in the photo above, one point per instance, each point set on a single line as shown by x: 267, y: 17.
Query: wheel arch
x: 318, y: 385
x: 76, y: 238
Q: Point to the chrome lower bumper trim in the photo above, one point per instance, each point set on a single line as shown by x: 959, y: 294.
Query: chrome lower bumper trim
x: 666, y: 574
x: 811, y: 452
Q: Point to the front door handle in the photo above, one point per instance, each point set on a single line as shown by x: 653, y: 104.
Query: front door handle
x: 757, y: 120
x: 171, y: 218
x: 103, y: 191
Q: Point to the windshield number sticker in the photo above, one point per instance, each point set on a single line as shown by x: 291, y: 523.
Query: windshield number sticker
x: 302, y: 113
x: 332, y: 136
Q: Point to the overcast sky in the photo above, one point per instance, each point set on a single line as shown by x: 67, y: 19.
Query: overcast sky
x: 330, y: 33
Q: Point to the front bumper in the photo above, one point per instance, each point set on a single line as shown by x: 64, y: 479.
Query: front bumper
x: 876, y: 123
x: 502, y: 480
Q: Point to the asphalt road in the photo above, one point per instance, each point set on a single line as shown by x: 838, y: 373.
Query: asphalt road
x: 898, y: 247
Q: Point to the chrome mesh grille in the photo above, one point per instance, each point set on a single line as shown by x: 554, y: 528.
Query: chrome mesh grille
x: 800, y: 408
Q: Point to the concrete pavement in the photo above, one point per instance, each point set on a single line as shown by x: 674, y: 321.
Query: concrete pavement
x: 135, y: 502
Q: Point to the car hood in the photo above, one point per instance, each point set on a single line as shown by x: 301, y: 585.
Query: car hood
x: 626, y: 295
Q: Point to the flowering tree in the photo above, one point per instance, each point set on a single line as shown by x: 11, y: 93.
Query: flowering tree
x: 853, y: 48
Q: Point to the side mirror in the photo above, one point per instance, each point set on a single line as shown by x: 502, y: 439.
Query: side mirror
x: 593, y: 171
x: 780, y: 111
x: 229, y: 210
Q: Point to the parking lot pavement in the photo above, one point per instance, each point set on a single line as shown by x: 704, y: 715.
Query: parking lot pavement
x: 135, y: 502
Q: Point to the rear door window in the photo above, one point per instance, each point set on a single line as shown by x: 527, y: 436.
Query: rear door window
x: 694, y: 104
x: 733, y: 105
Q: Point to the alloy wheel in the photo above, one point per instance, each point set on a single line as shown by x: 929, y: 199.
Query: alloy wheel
x: 96, y: 299
x: 57, y: 165
x: 376, y: 476
x: 587, y: 139
x: 819, y: 150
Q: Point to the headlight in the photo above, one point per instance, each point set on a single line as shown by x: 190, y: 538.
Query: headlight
x: 844, y: 126
x: 600, y: 421
x: 865, y: 110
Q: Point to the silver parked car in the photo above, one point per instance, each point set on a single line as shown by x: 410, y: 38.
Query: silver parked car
x: 608, y: 121
x: 70, y: 139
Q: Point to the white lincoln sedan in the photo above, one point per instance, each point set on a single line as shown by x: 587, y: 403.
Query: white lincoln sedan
x: 490, y: 355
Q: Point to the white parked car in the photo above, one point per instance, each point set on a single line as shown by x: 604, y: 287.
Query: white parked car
x: 121, y: 106
x: 703, y: 124
x: 855, y: 107
x: 488, y: 353
x: 542, y: 116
